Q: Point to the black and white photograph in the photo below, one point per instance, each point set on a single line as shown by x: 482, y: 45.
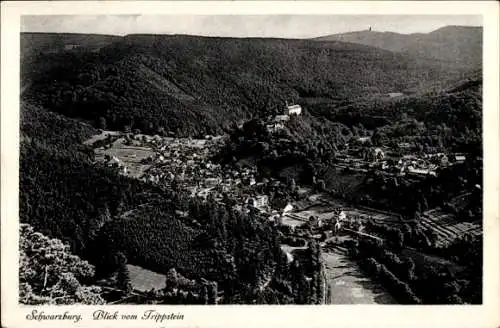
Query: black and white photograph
x: 241, y: 164
x: 251, y: 159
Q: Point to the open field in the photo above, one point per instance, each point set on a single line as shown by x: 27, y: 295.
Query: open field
x: 145, y: 280
x: 131, y: 156
x: 320, y: 211
x: 347, y: 284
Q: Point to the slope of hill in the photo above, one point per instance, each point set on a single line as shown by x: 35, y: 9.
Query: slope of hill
x: 196, y: 85
x: 451, y: 118
x: 459, y: 44
x: 65, y: 195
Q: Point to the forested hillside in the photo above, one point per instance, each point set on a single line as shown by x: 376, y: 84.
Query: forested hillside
x: 73, y: 85
x: 190, y: 85
x: 106, y: 217
x: 450, y: 119
x: 459, y: 44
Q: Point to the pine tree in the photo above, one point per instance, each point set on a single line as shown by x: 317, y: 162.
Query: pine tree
x: 50, y: 274
x: 123, y: 275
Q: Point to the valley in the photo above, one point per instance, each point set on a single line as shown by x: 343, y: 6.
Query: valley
x: 207, y: 170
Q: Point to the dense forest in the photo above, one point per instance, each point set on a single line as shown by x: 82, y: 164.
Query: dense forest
x: 189, y: 85
x: 449, y: 120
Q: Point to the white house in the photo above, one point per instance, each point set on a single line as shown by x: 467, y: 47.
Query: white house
x: 272, y: 128
x: 260, y: 201
x: 293, y: 110
x: 342, y: 216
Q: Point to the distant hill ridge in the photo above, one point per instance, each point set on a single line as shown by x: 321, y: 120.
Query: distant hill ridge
x: 460, y: 44
x: 192, y: 85
x: 34, y: 43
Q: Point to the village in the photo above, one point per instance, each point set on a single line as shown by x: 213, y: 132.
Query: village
x: 185, y: 163
x: 360, y: 155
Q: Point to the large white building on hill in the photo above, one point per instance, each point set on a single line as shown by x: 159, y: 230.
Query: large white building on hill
x: 293, y: 109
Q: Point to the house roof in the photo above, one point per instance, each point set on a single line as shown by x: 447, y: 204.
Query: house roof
x: 281, y: 118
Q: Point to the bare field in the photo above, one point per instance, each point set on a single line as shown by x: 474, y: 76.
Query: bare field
x: 131, y: 156
x: 145, y: 280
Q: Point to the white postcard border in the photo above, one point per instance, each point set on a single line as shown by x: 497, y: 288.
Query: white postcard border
x: 486, y: 315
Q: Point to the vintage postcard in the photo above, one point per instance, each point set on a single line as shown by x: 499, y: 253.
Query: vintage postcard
x: 227, y: 164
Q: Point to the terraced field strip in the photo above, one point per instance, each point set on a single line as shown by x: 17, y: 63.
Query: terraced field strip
x: 436, y: 225
x: 442, y: 235
x: 366, y: 215
x: 440, y: 230
x: 446, y: 227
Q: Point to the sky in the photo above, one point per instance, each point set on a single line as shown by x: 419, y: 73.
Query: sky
x: 281, y: 26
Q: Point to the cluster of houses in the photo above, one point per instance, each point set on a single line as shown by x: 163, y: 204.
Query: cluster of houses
x: 279, y: 121
x: 322, y: 226
x: 113, y: 161
x: 186, y: 163
x: 360, y: 156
